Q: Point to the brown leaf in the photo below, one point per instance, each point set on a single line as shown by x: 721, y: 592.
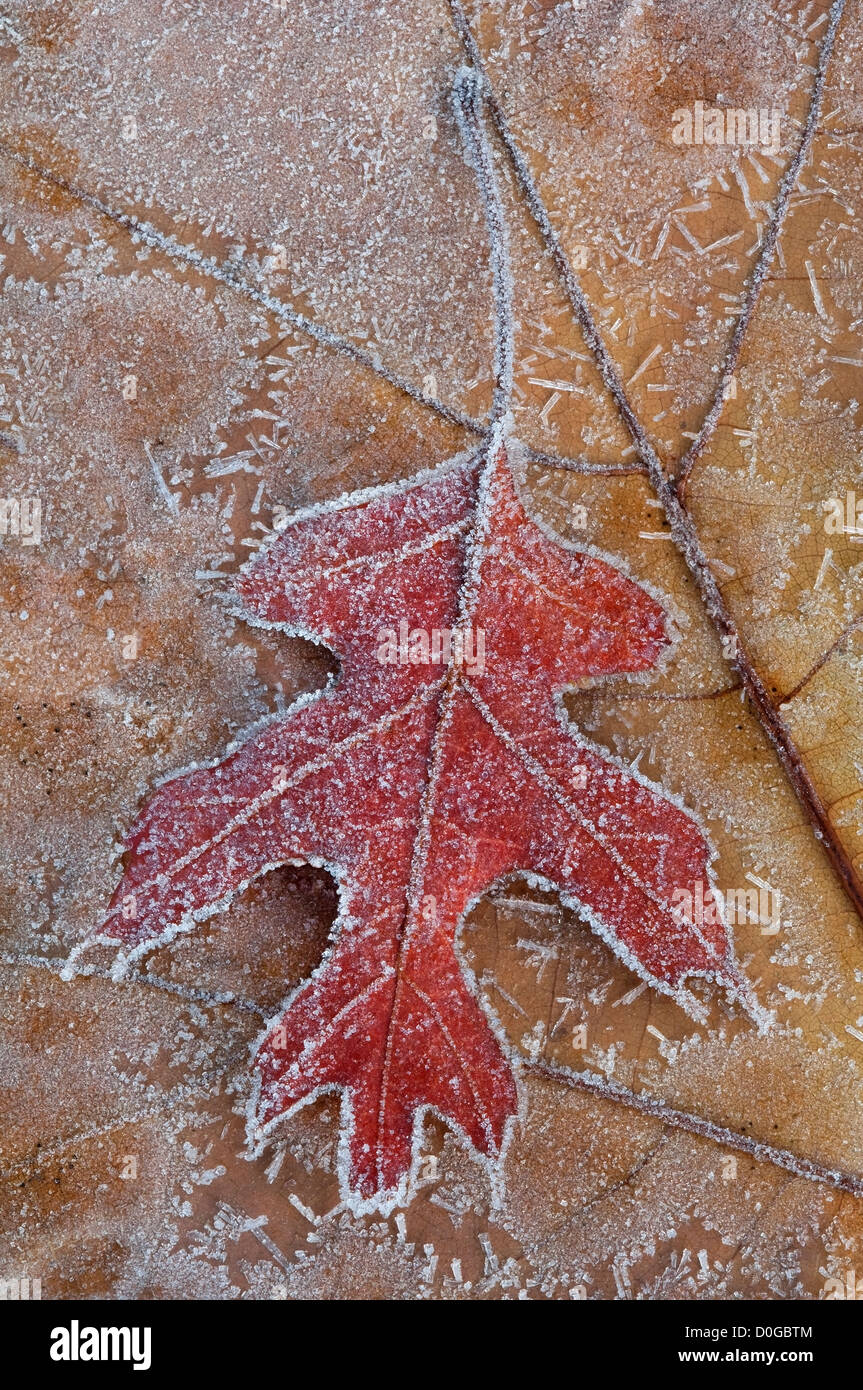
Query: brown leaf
x: 314, y: 158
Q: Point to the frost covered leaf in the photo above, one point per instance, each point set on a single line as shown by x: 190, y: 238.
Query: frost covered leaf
x: 435, y: 768
x: 313, y: 154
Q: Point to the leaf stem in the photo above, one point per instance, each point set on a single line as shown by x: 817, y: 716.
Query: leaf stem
x: 467, y: 98
x: 596, y: 1085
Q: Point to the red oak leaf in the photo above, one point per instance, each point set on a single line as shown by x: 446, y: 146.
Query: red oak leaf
x: 439, y: 763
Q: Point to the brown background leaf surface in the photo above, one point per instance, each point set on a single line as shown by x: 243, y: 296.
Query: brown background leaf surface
x: 315, y: 150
